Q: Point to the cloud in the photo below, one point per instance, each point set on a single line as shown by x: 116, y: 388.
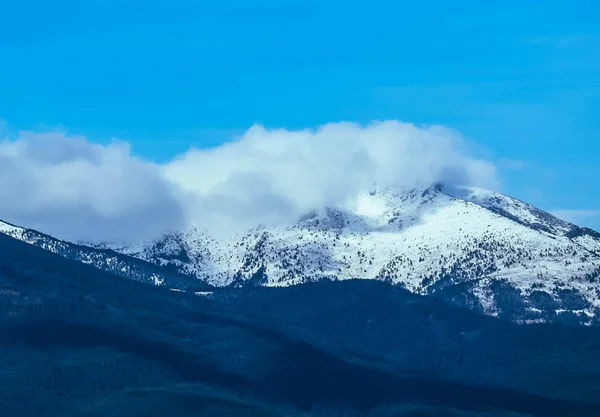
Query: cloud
x: 274, y: 175
x: 74, y: 189
x: 587, y: 218
x: 68, y: 186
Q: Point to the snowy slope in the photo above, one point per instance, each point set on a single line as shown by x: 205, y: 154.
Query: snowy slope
x: 104, y: 259
x: 473, y: 247
x: 514, y: 209
x: 476, y: 248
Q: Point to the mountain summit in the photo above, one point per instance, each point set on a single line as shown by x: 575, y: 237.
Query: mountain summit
x: 475, y: 248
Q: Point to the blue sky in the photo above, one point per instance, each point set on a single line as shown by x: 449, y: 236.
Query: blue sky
x: 520, y: 80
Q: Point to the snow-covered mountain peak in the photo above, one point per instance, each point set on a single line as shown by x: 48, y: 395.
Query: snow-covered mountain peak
x: 474, y: 247
x: 432, y: 240
x: 512, y: 208
x: 383, y: 207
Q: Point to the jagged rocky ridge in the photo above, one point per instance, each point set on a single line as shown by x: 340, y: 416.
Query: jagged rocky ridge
x: 472, y: 247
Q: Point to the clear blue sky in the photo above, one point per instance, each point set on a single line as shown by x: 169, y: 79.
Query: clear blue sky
x: 520, y: 78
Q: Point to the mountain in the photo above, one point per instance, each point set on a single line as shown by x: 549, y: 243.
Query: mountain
x: 104, y: 259
x: 78, y: 341
x: 475, y: 248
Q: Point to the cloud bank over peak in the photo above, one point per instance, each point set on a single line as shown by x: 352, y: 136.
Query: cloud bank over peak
x: 280, y: 174
x: 75, y: 189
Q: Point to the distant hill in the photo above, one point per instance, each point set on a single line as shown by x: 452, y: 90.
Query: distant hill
x: 105, y: 259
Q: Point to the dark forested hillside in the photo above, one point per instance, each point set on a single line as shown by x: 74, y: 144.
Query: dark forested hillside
x: 105, y: 259
x: 76, y: 341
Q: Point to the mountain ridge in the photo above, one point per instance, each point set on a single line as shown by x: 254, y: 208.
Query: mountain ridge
x: 476, y: 248
x: 104, y: 259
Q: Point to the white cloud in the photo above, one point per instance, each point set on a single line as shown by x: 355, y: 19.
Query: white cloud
x: 587, y: 218
x: 268, y: 175
x: 70, y: 187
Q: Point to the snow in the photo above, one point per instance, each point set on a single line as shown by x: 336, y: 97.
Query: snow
x: 368, y: 206
x: 157, y: 280
x: 588, y: 242
x: 10, y: 230
x: 524, y: 212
